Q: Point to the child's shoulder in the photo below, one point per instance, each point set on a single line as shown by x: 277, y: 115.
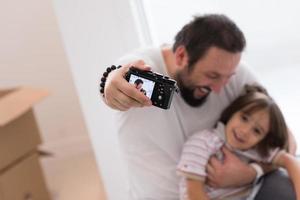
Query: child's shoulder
x: 206, y: 133
x: 207, y: 136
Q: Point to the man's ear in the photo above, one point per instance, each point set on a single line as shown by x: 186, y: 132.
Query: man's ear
x: 181, y: 57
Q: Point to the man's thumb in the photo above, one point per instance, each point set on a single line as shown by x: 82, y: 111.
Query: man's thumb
x: 226, y: 151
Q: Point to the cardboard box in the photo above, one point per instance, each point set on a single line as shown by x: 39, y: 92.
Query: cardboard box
x: 24, y: 181
x: 19, y: 133
x: 21, y: 176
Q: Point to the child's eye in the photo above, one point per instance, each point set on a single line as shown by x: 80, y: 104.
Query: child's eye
x: 244, y: 118
x: 257, y: 131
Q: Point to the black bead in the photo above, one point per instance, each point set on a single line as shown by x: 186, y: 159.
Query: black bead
x: 119, y: 66
x: 108, y: 69
x: 102, y: 85
x: 103, y: 79
x: 102, y: 90
x: 105, y: 74
x: 113, y: 67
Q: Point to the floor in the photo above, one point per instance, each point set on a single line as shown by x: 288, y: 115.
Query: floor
x: 71, y: 172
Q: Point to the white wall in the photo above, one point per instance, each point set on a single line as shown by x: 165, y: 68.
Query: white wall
x: 95, y: 33
x: 31, y: 54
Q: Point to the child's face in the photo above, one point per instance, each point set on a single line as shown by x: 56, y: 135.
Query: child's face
x: 244, y: 131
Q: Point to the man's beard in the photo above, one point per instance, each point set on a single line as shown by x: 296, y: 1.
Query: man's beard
x: 187, y: 93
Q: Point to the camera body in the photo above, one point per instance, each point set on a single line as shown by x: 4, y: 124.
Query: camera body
x: 160, y: 89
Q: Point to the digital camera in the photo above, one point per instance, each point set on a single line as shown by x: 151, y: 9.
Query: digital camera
x: 160, y: 89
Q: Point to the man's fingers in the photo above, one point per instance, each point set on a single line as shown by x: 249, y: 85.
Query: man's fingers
x: 211, y: 183
x: 210, y: 173
x: 214, y: 162
x: 127, y: 101
x: 111, y: 99
x: 229, y: 156
x: 226, y: 151
x: 120, y: 105
x: 210, y: 169
x: 116, y: 105
x: 126, y: 95
x: 140, y: 64
x: 130, y: 91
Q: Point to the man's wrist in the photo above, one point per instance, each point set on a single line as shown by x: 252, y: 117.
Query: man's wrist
x: 104, y: 77
x: 259, y: 171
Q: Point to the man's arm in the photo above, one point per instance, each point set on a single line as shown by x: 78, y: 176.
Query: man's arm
x: 121, y: 95
x: 292, y: 143
x: 292, y: 150
x: 234, y: 172
x: 231, y: 172
x: 195, y: 190
x: 292, y: 165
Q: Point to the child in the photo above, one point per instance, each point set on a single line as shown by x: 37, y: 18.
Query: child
x: 254, y: 129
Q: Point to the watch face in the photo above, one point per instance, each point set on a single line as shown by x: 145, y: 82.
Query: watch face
x: 259, y: 171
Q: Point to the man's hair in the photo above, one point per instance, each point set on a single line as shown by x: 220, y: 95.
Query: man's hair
x: 207, y: 31
x: 138, y: 81
x: 250, y: 102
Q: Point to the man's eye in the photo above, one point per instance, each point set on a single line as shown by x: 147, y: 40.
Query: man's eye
x: 212, y: 76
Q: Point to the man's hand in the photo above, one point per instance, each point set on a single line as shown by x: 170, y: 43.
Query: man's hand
x: 231, y: 172
x: 121, y: 95
x: 292, y: 143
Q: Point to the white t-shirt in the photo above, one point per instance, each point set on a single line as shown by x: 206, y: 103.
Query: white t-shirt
x: 151, y: 138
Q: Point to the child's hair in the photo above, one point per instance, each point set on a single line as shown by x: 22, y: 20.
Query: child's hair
x: 254, y: 99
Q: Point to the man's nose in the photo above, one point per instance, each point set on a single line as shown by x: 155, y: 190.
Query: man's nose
x: 217, y: 86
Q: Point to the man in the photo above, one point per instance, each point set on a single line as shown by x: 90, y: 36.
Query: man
x: 204, y: 61
x: 139, y: 85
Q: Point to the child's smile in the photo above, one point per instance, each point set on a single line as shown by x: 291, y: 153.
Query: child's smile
x: 245, y: 130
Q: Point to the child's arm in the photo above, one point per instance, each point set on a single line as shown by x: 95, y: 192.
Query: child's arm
x: 195, y: 190
x: 292, y: 165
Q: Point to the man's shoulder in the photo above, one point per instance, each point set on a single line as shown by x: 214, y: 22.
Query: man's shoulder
x: 151, y: 55
x: 243, y: 76
x: 140, y: 53
x: 244, y: 69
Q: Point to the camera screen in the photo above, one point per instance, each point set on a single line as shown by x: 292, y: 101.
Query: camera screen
x: 144, y: 85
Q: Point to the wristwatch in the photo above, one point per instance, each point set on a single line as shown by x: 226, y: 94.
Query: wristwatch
x: 259, y: 172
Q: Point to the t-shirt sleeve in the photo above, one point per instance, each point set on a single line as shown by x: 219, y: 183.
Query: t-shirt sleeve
x: 138, y: 54
x: 196, y: 153
x: 127, y: 59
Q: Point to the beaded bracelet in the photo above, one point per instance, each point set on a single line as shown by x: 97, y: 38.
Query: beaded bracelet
x: 105, y: 75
